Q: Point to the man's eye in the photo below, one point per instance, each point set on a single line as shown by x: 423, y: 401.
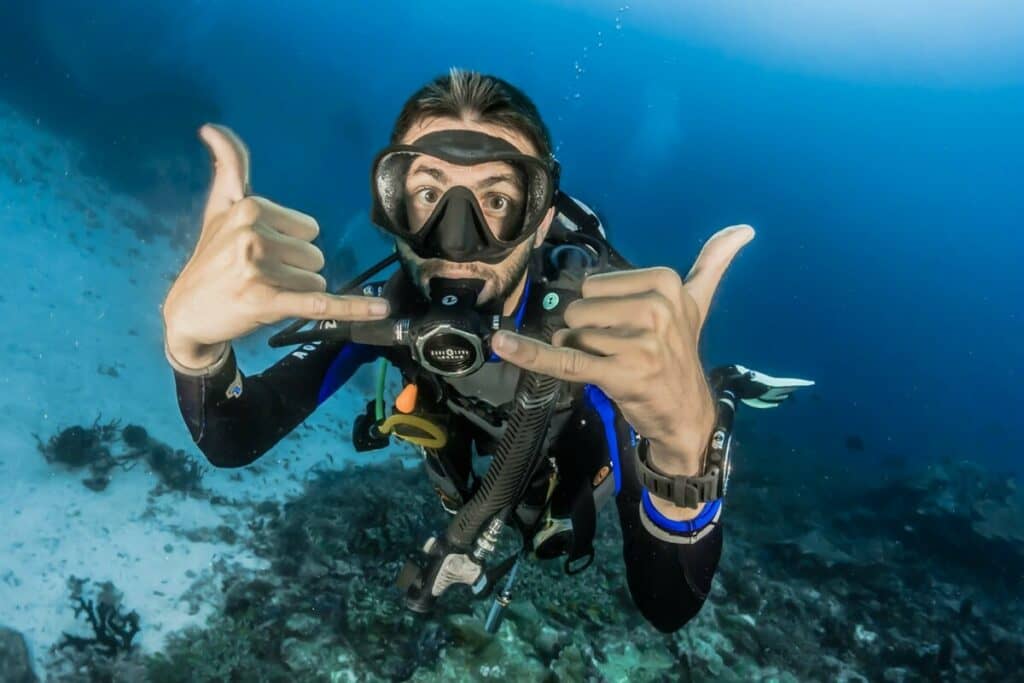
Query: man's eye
x: 497, y: 202
x: 428, y: 195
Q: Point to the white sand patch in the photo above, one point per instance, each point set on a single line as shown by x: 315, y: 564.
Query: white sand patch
x: 82, y: 338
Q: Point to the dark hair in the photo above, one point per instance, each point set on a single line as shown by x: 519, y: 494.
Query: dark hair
x: 488, y: 99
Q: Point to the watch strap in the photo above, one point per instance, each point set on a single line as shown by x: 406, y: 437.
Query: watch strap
x: 684, y: 491
x: 691, y: 491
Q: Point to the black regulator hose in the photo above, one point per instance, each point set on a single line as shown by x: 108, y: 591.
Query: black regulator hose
x: 509, y: 471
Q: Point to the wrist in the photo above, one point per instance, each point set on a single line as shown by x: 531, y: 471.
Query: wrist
x: 680, y: 490
x: 685, y: 454
x: 671, y: 466
x: 190, y: 357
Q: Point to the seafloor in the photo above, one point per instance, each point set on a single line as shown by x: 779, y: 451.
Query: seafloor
x: 124, y: 559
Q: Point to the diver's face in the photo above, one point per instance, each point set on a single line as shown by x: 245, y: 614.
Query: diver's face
x: 497, y: 186
x: 498, y: 190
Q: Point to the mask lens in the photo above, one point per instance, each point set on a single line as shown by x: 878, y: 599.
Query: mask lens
x: 389, y: 182
x: 410, y: 185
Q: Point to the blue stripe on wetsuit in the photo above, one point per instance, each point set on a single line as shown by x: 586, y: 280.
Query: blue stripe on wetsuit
x: 603, y: 405
x: 680, y: 526
x: 344, y: 365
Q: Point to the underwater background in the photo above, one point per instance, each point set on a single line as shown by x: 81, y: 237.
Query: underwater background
x: 874, y: 528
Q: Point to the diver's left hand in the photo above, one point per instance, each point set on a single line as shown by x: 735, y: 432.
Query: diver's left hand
x: 634, y: 334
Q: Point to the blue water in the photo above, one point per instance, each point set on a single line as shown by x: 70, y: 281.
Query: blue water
x: 882, y: 172
x: 879, y: 153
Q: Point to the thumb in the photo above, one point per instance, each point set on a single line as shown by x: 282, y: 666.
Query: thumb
x: 230, y: 169
x: 711, y: 263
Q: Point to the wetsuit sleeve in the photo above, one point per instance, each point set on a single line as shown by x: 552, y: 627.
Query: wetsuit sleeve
x: 234, y: 418
x: 669, y: 570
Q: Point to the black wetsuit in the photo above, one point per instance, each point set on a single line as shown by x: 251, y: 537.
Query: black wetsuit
x: 234, y: 419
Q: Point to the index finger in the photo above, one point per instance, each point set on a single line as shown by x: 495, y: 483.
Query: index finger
x: 561, y: 362
x: 324, y: 306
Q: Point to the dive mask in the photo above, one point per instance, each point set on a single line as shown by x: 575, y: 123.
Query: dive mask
x: 416, y: 200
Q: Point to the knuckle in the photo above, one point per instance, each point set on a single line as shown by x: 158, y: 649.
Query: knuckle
x: 670, y: 285
x: 648, y: 348
x: 659, y: 310
x: 572, y: 364
x: 250, y: 272
x: 345, y: 306
x: 251, y: 246
x: 667, y: 279
x: 317, y: 306
x: 247, y: 210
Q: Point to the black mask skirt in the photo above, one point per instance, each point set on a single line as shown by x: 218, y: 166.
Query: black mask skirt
x: 414, y: 201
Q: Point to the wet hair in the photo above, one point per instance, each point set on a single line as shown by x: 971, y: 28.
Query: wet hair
x: 471, y: 94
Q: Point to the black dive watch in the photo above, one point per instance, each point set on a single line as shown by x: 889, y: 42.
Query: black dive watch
x: 712, y: 482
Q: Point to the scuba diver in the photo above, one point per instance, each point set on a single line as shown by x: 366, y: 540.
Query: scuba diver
x: 520, y: 333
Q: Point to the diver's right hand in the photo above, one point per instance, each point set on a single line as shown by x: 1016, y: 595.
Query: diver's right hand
x: 254, y: 265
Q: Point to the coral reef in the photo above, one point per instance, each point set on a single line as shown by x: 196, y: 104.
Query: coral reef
x: 112, y: 631
x: 105, y: 446
x: 825, y: 588
x: 916, y: 579
x: 108, y: 654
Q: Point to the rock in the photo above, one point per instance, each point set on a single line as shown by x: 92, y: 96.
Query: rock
x: 863, y: 635
x: 15, y: 663
x: 625, y: 662
x: 98, y: 483
x: 469, y: 630
x: 246, y: 595
x: 549, y: 641
x: 227, y: 534
x: 570, y: 665
x: 268, y: 507
x: 301, y: 655
x: 303, y: 625
x: 895, y: 674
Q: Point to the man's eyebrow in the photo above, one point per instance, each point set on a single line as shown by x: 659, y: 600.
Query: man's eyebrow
x: 435, y: 173
x: 510, y: 178
x: 440, y: 176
